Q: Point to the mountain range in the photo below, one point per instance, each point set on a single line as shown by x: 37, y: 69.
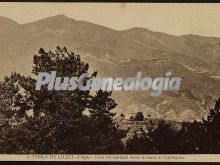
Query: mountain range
x: 196, y: 59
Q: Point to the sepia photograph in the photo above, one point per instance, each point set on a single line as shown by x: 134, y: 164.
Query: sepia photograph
x: 110, y: 81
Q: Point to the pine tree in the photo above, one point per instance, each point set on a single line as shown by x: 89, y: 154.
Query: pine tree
x: 139, y: 116
x: 57, y: 124
x: 213, y: 128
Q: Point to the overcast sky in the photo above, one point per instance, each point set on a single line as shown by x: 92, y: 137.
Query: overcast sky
x: 176, y: 19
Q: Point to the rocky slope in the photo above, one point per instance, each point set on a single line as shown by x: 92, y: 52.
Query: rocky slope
x: 196, y: 59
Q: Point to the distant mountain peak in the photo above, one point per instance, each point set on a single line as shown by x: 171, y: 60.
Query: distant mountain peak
x: 138, y: 29
x: 5, y: 20
x: 144, y: 30
x: 57, y: 18
x: 53, y: 21
x: 60, y: 16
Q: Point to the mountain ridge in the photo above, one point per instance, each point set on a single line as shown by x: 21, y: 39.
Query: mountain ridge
x: 123, y: 53
x: 62, y: 16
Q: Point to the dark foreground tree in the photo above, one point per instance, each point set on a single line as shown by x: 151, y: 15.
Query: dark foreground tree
x: 48, y: 121
x: 139, y: 116
x: 139, y: 144
x: 212, y: 126
x: 197, y: 137
x: 202, y: 137
x: 164, y: 138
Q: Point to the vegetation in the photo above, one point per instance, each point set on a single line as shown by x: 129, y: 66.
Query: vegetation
x: 193, y: 138
x: 139, y: 116
x: 57, y: 123
x: 49, y: 122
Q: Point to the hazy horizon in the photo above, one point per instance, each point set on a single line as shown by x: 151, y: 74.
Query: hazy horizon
x: 107, y: 26
x: 173, y: 19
